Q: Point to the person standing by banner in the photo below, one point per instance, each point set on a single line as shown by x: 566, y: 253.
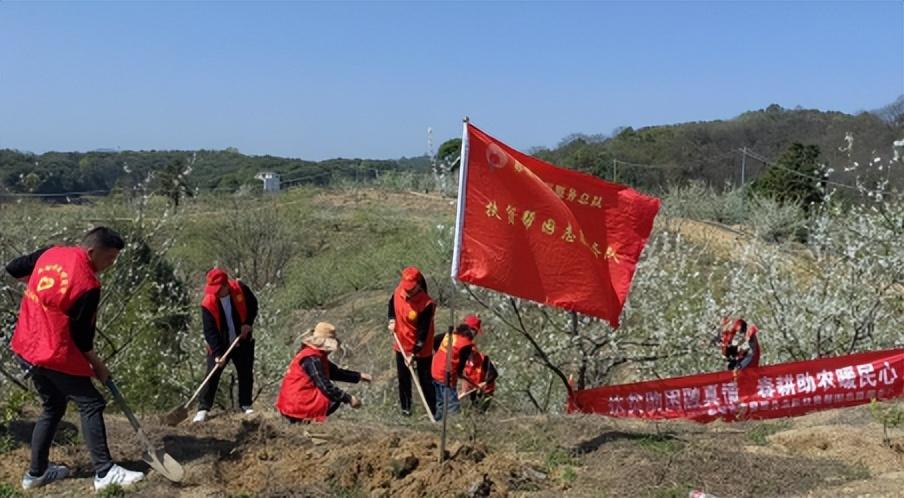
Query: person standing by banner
x: 228, y: 310
x: 54, y: 343
x: 410, y: 312
x: 743, y: 355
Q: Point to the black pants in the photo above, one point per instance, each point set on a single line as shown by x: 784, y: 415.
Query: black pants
x: 243, y: 359
x: 424, y: 377
x: 56, y: 389
x: 334, y: 405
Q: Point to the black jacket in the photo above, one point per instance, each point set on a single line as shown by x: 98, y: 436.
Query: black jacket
x: 218, y: 340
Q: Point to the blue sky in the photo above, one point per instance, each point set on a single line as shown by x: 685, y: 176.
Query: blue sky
x: 366, y: 79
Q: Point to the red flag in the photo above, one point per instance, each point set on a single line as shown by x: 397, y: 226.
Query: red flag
x: 552, y: 235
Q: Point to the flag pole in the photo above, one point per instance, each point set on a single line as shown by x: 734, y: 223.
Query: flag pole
x: 462, y: 190
x: 456, y: 255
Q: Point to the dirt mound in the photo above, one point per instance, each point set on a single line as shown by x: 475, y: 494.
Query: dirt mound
x: 524, y: 456
x: 357, y: 460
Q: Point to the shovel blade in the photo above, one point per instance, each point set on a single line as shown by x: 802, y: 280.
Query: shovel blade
x: 175, y: 416
x: 166, y: 465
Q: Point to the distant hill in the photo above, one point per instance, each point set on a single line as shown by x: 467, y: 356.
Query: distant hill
x: 709, y: 150
x: 651, y: 158
x: 103, y: 171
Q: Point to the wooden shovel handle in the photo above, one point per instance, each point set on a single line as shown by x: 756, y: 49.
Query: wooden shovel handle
x: 213, y: 370
x: 414, y: 377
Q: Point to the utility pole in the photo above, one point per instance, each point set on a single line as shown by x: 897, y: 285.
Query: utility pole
x: 614, y: 170
x: 743, y: 165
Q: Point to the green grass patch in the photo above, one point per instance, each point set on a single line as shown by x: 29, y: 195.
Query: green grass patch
x: 663, y: 445
x: 759, y: 435
x: 8, y: 490
x: 112, y: 491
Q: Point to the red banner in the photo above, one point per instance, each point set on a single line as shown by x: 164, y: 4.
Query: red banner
x: 552, y: 235
x: 784, y: 390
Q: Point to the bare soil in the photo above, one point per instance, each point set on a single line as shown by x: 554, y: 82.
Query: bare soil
x: 838, y: 453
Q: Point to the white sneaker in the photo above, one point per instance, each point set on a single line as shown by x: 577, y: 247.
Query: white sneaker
x: 199, y: 417
x: 53, y: 473
x: 117, y: 475
x: 247, y: 410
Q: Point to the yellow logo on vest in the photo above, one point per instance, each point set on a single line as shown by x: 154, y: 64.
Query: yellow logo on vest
x: 52, y: 276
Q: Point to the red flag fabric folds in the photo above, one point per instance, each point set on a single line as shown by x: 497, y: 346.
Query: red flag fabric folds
x: 555, y: 236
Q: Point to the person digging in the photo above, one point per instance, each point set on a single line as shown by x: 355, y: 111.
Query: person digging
x: 54, y: 343
x: 410, y: 312
x: 228, y: 310
x: 307, y: 392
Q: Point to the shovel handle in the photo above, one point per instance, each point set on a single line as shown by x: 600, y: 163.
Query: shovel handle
x: 211, y: 373
x: 121, y: 401
x: 414, y: 377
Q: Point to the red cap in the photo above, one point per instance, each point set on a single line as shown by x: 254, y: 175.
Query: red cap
x: 473, y: 321
x: 216, y: 278
x: 411, y: 277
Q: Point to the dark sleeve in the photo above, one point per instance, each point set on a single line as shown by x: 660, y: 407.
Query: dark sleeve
x: 391, y: 312
x: 312, y: 367
x: 751, y: 353
x: 24, y: 265
x: 211, y: 334
x: 490, y: 369
x: 423, y: 284
x: 437, y: 340
x: 342, y: 375
x: 463, y: 355
x: 82, y: 316
x: 424, y: 321
x: 250, y: 302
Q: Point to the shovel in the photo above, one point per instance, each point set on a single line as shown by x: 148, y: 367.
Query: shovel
x: 180, y: 413
x: 158, y: 459
x: 414, y: 377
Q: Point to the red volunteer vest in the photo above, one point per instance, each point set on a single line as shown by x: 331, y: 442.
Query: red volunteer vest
x: 407, y: 313
x: 298, y: 395
x: 438, y: 368
x: 210, y: 302
x: 475, y: 371
x: 42, y: 337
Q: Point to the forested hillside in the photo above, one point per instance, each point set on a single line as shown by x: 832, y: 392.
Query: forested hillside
x: 100, y: 172
x: 650, y: 158
x: 710, y: 150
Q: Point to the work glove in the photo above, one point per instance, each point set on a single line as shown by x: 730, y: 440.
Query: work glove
x: 417, y: 348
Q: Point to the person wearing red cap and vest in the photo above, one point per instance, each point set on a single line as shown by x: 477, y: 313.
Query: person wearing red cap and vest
x: 480, y: 379
x: 458, y: 343
x: 479, y: 374
x: 54, y: 343
x: 743, y: 355
x: 228, y: 310
x: 411, y: 312
x: 307, y: 392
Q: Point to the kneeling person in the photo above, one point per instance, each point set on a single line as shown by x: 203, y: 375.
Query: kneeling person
x: 307, y: 392
x: 458, y: 343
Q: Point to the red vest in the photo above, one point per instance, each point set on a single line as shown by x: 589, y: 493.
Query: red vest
x: 407, y: 313
x: 210, y: 302
x: 438, y: 368
x: 298, y: 395
x: 42, y: 337
x: 476, y: 372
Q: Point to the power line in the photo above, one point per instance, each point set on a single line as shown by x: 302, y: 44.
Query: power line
x: 747, y: 152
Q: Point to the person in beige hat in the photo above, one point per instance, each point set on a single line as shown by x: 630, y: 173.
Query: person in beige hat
x: 307, y: 392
